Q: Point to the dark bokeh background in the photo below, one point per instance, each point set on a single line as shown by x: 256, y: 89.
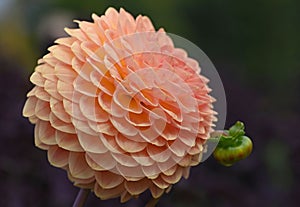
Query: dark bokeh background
x: 253, y: 44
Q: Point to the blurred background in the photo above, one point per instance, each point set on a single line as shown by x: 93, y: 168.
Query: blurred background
x: 255, y: 48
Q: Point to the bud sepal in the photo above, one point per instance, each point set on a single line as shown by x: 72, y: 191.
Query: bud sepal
x: 233, y: 145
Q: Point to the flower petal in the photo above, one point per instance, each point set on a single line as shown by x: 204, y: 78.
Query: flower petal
x: 103, y: 161
x: 29, y: 107
x: 62, y: 53
x: 91, y: 109
x: 108, y: 180
x: 45, y: 133
x: 68, y: 141
x: 58, y: 157
x: 137, y: 187
x: 78, y: 166
x: 91, y: 143
x: 108, y: 193
x: 129, y: 145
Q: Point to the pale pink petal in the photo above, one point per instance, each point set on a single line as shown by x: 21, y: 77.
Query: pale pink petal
x: 123, y: 126
x: 51, y: 88
x: 62, y: 53
x: 125, y: 160
x: 85, y: 87
x: 116, y: 111
x: 89, y: 29
x: 161, y: 183
x: 167, y: 166
x: 129, y: 145
x: 37, y: 79
x: 87, y: 183
x: 195, y: 159
x: 143, y: 158
x: 109, y: 193
x: 77, y: 33
x: 170, y: 132
x: 187, y: 137
x: 48, y: 59
x: 143, y: 24
x: 108, y: 180
x: 58, y: 157
x: 47, y: 72
x: 159, y: 154
x: 130, y: 173
x: 57, y: 108
x: 111, y: 144
x: 91, y: 109
x: 112, y: 16
x: 60, y: 125
x: 186, y: 172
x: 67, y: 92
x: 94, y: 164
x: 105, y: 101
x: 156, y: 192
x: 68, y: 141
x: 185, y: 161
x: 78, y: 166
x: 136, y: 188
x: 170, y: 171
x: 83, y: 125
x: 127, y: 102
x: 103, y: 161
x: 126, y: 24
x: 79, y: 55
x: 102, y: 82
x: 41, y: 94
x: 91, y: 143
x: 45, y: 133
x: 177, y: 147
x: 89, y: 48
x: 125, y: 196
x: 174, y: 178
x: 73, y: 109
x: 33, y: 119
x: 151, y: 172
x: 42, y: 110
x: 29, y: 107
x: 40, y: 144
x: 66, y: 41
x: 104, y: 128
x: 86, y: 70
x: 198, y: 148
x: 65, y: 73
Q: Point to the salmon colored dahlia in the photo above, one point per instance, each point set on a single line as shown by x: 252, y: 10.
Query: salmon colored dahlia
x: 120, y: 108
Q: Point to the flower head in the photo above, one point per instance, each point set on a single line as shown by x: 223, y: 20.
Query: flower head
x: 120, y: 108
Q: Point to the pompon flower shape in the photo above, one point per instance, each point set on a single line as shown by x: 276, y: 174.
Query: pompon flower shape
x: 120, y: 108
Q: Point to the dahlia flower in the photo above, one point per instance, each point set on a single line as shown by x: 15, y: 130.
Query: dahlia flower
x: 119, y: 107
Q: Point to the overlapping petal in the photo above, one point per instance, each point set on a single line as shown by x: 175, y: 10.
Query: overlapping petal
x: 119, y: 107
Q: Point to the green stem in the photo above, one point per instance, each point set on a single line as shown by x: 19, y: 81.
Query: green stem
x: 81, y: 198
x: 216, y: 135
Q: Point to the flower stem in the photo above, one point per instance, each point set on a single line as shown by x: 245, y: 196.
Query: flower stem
x: 216, y: 135
x: 152, y: 202
x: 81, y: 198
